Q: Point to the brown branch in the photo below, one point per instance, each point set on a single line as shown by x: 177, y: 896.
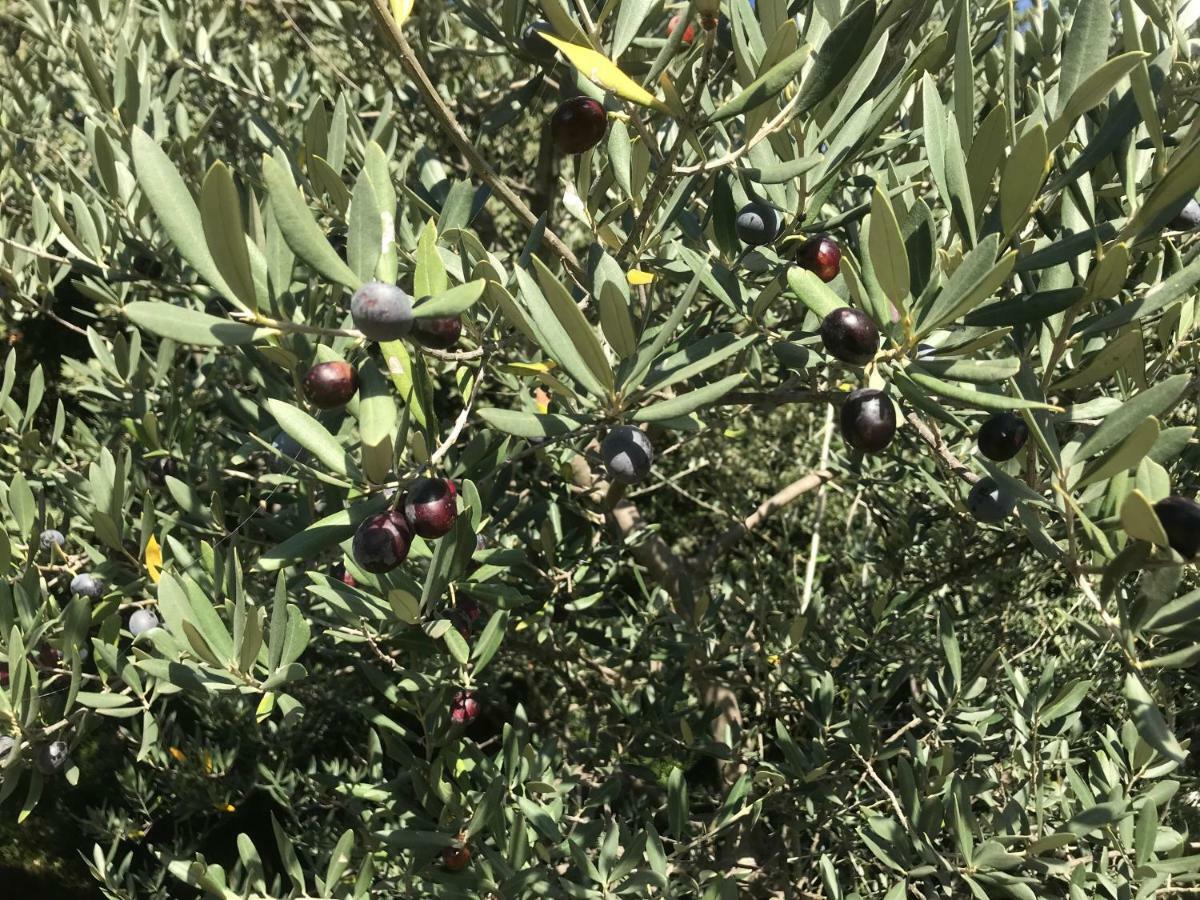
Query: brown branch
x: 765, y: 509
x: 956, y: 465
x: 455, y: 132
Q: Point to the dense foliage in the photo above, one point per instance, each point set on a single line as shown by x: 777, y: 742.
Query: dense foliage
x: 811, y: 379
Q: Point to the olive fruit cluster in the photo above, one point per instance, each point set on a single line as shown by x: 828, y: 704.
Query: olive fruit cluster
x: 382, y: 312
x: 429, y: 509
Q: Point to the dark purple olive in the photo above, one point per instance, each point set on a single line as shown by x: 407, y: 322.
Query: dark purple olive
x: 537, y: 46
x: 381, y: 542
x: 1180, y: 518
x: 849, y: 335
x: 868, y: 420
x: 1002, y: 436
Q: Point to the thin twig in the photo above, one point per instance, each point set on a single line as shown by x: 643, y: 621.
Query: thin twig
x: 454, y: 131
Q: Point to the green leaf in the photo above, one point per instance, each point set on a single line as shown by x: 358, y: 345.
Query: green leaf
x: 1023, y: 175
x: 453, y: 302
x: 1086, y: 47
x: 977, y: 277
x: 630, y: 16
x: 1158, y: 297
x: 697, y: 358
x: 530, y: 425
x: 172, y: 203
x: 553, y: 338
x: 1140, y: 521
x: 190, y: 326
x: 1069, y: 247
x: 1094, y: 89
x: 1180, y: 182
x: 1026, y: 308
x: 1120, y: 423
x: 1066, y: 701
x: 364, y: 239
x: 221, y: 213
x: 377, y: 422
x: 490, y: 640
x: 813, y: 292
x: 320, y: 535
x: 1088, y: 820
x: 1126, y: 456
x: 889, y: 257
x: 300, y: 229
x: 1107, y: 360
x: 971, y: 398
x: 958, y: 185
x: 1149, y: 720
x: 311, y: 435
x: 838, y: 56
x: 977, y: 371
x: 430, y: 277
x: 766, y: 86
x: 689, y: 402
x: 612, y: 294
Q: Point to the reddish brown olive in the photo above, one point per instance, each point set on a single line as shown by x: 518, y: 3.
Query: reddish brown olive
x: 440, y: 334
x: 429, y: 505
x: 821, y: 255
x: 330, y: 385
x: 455, y: 859
x: 578, y: 124
x: 464, y: 708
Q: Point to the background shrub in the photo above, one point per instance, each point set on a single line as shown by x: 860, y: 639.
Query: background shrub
x: 805, y: 651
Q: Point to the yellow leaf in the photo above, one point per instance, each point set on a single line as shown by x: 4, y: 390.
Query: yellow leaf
x: 401, y: 10
x: 226, y: 807
x: 542, y: 399
x: 153, y: 558
x: 524, y: 368
x: 602, y: 71
x: 637, y: 276
x: 177, y: 754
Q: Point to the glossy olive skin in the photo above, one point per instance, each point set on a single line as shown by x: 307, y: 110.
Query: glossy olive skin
x: 430, y: 507
x: 1188, y: 218
x: 535, y: 45
x: 578, y: 125
x: 455, y: 859
x: 849, y: 335
x: 821, y: 255
x: 52, y: 757
x: 441, y: 333
x: 1180, y: 518
x: 757, y: 224
x: 1002, y: 436
x: 330, y: 385
x: 868, y: 420
x: 464, y: 708
x: 381, y: 542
